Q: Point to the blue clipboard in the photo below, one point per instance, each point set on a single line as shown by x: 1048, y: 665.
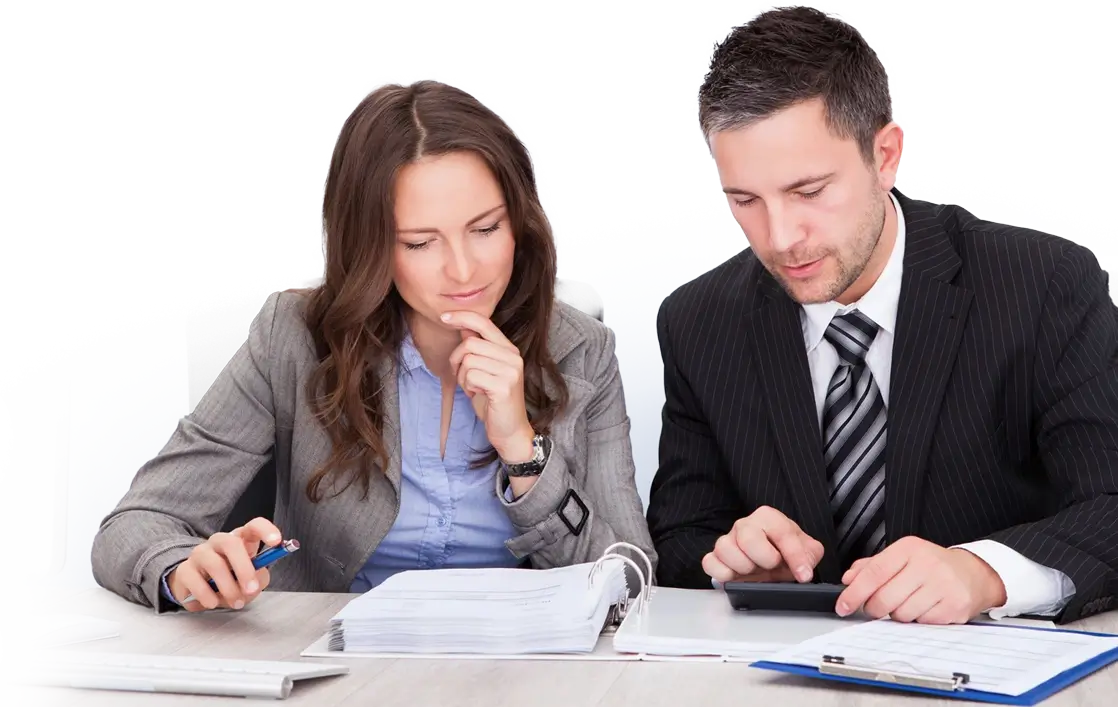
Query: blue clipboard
x: 1032, y: 697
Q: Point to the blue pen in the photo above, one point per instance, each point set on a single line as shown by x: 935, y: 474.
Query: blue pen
x: 262, y: 560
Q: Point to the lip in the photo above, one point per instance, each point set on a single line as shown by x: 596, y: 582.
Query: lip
x: 803, y: 271
x: 466, y: 296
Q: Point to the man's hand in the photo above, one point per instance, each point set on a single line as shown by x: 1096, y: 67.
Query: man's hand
x: 915, y: 580
x: 765, y: 546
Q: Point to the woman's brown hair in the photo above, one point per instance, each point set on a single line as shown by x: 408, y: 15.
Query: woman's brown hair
x: 356, y: 316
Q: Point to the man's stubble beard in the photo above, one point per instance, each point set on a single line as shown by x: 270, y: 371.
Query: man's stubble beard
x: 870, y: 228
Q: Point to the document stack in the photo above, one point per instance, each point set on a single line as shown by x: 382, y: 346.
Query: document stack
x: 486, y: 611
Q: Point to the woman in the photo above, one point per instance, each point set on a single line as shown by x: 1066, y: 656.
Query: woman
x: 429, y: 405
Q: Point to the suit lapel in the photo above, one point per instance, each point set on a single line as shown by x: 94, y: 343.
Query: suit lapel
x: 781, y: 358
x: 931, y: 316
x: 562, y: 339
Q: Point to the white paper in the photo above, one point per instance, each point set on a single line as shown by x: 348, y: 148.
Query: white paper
x: 486, y: 611
x: 1000, y: 659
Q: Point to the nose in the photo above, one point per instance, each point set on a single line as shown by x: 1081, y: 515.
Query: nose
x: 784, y: 230
x: 459, y: 265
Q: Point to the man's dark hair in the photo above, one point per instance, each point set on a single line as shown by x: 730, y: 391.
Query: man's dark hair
x: 790, y: 55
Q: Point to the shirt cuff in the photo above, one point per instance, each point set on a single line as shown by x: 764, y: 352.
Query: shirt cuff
x: 1030, y: 587
x: 166, y: 589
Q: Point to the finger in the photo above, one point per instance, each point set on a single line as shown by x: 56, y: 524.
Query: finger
x: 757, y: 545
x: 814, y: 548
x: 485, y: 328
x: 261, y: 530
x: 217, y: 567
x: 895, y: 591
x: 487, y: 349
x: 943, y: 613
x: 855, y: 568
x: 716, y: 569
x: 479, y: 381
x: 496, y: 367
x: 469, y: 334
x: 797, y: 549
x: 193, y: 583
x: 955, y: 605
x: 464, y: 383
x: 251, y: 543
x: 262, y: 578
x: 233, y: 549
x: 879, y: 570
x: 917, y: 605
x: 768, y: 517
x: 731, y: 555
x: 793, y: 547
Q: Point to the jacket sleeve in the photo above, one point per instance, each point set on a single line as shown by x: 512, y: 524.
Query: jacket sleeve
x: 691, y: 504
x: 564, y: 521
x: 184, y: 494
x: 1075, y: 423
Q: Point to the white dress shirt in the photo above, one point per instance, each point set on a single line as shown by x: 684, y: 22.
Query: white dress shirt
x: 1030, y: 588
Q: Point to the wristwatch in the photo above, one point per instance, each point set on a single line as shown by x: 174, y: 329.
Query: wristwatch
x: 541, y: 450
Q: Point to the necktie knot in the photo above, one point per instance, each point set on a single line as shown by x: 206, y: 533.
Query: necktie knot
x: 851, y: 334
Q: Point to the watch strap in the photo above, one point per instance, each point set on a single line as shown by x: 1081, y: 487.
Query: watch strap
x: 541, y: 451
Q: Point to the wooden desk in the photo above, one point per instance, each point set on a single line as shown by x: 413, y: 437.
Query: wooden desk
x: 280, y: 625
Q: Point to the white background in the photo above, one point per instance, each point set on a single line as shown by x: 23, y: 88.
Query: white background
x: 631, y: 192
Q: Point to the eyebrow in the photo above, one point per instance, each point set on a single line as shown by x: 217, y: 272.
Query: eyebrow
x: 798, y: 184
x: 471, y: 222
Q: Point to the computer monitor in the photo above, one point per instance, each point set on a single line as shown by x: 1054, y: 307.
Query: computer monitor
x: 35, y: 461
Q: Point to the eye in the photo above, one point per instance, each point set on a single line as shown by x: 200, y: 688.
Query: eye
x: 744, y: 202
x: 489, y: 229
x: 416, y: 246
x: 813, y: 194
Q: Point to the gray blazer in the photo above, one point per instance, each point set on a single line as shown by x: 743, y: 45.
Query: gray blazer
x: 257, y: 410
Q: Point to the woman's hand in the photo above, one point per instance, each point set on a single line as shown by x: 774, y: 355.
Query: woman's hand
x: 226, y: 558
x: 491, y: 372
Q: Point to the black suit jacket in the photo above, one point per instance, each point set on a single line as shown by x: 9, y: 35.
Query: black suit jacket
x: 1003, y: 406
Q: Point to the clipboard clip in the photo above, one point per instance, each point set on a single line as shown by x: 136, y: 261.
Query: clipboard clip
x: 837, y: 665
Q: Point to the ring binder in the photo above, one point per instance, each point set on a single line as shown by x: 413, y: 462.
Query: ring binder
x: 501, y: 611
x: 650, y: 577
x: 837, y: 665
x: 645, y: 579
x: 623, y: 606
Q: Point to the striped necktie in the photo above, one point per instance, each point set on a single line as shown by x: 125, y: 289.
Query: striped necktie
x: 854, y: 426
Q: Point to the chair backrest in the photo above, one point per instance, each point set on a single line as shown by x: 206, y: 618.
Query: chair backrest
x: 217, y: 326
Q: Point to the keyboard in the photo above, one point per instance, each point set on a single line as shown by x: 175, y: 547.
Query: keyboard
x: 178, y: 674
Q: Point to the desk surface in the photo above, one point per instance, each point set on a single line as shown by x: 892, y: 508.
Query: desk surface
x: 279, y: 625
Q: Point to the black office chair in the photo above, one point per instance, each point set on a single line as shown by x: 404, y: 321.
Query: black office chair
x: 217, y: 326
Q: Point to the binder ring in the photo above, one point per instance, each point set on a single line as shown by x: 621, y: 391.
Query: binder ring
x: 623, y: 606
x: 650, y: 577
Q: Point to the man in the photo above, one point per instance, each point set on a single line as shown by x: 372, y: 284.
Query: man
x: 882, y: 392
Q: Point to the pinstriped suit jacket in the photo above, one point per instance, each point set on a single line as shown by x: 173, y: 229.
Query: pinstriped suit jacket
x: 1003, y: 414
x: 257, y: 411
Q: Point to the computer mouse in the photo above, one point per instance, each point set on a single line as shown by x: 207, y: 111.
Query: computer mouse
x: 55, y: 630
